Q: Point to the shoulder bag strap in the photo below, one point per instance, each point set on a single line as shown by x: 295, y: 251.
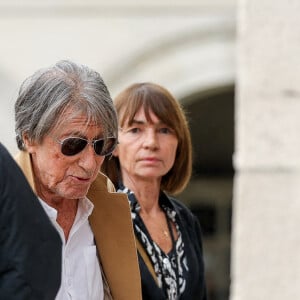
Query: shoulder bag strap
x: 146, y: 259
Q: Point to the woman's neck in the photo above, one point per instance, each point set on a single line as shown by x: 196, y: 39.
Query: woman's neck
x: 147, y: 194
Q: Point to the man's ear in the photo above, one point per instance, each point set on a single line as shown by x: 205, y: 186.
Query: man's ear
x: 116, y: 151
x: 28, y: 143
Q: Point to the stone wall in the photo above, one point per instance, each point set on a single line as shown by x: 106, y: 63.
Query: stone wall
x: 266, y: 242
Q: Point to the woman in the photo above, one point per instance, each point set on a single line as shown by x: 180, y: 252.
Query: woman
x: 152, y: 161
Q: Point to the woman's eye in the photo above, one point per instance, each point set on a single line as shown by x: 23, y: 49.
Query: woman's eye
x: 134, y: 130
x: 165, y: 130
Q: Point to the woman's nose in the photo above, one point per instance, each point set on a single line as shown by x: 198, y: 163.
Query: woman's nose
x: 151, y: 139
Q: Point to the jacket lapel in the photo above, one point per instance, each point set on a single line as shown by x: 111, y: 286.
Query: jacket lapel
x: 24, y: 161
x: 113, y: 231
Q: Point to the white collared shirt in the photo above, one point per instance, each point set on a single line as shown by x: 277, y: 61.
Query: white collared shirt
x: 81, y: 274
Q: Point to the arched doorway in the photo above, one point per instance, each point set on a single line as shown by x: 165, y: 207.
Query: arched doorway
x: 209, y: 194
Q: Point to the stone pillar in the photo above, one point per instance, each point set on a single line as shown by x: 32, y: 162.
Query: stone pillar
x: 266, y: 210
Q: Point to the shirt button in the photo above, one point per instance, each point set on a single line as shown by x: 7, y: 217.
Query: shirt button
x: 166, y: 262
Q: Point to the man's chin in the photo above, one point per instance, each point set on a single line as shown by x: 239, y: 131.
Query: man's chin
x: 77, y: 194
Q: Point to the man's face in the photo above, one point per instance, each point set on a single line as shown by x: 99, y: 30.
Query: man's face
x: 58, y: 176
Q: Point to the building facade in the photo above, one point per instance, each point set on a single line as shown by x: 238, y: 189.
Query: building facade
x: 187, y: 46
x: 265, y: 240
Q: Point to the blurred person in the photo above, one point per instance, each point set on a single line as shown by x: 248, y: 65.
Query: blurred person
x: 65, y: 126
x: 30, y: 251
x: 153, y: 161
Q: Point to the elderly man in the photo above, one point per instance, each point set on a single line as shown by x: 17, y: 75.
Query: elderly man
x: 65, y: 126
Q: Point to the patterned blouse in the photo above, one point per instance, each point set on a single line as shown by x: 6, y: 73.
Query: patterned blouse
x: 171, y: 267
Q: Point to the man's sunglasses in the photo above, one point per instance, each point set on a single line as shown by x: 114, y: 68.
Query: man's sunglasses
x: 74, y: 145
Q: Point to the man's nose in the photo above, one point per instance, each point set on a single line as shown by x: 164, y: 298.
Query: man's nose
x: 89, y: 159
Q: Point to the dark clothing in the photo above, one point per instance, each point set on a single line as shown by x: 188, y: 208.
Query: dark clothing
x: 189, y: 228
x: 30, y: 247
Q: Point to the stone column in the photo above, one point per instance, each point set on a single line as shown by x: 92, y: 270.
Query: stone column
x: 266, y: 209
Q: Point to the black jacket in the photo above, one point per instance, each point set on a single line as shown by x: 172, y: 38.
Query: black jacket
x: 191, y: 235
x: 30, y: 247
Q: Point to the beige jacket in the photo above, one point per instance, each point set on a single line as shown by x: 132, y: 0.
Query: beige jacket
x: 113, y: 231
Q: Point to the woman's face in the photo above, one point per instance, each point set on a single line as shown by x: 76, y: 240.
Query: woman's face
x: 146, y: 150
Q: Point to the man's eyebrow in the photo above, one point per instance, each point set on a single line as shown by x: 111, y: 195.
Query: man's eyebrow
x: 82, y: 135
x: 74, y: 133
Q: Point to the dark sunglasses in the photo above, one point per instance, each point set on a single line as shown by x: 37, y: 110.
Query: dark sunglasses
x: 74, y: 145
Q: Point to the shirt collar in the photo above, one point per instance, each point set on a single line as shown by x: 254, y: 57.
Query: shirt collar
x: 85, y: 208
